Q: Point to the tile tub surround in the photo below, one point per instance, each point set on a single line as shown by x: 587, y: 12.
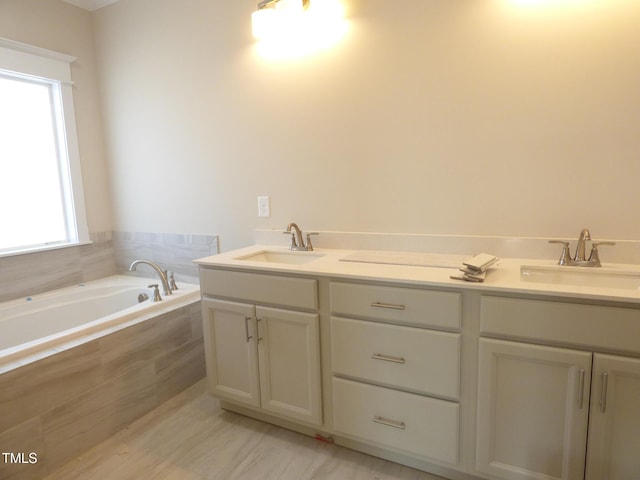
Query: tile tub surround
x: 31, y: 273
x: 62, y: 405
x: 174, y: 252
x: 110, y: 253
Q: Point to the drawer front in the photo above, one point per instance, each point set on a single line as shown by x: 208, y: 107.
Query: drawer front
x: 591, y: 326
x: 400, y: 305
x: 265, y: 289
x: 415, y: 359
x: 418, y: 425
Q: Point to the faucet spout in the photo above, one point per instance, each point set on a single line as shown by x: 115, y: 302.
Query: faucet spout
x: 161, y: 273
x: 585, y: 235
x: 298, y: 233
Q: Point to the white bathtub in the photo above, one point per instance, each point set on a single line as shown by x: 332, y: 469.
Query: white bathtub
x: 50, y: 320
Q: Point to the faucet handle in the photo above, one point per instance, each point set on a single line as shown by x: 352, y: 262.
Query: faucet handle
x: 156, y: 292
x: 565, y: 258
x: 309, y: 246
x: 294, y: 244
x: 594, y: 258
x: 172, y: 281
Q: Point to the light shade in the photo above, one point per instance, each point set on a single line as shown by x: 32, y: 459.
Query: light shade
x: 273, y: 15
x: 263, y: 22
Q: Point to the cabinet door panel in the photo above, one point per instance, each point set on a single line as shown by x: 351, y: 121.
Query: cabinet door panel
x: 231, y: 351
x: 614, y: 429
x: 289, y: 359
x: 532, y: 411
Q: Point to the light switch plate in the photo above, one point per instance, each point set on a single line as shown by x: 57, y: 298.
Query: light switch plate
x: 264, y: 209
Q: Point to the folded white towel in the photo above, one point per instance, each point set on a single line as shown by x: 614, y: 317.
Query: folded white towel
x: 479, y: 263
x: 475, y: 268
x: 467, y: 277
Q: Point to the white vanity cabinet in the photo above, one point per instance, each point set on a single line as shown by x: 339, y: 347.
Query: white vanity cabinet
x: 614, y: 422
x: 533, y: 409
x: 396, y: 381
x: 537, y: 403
x: 258, y: 355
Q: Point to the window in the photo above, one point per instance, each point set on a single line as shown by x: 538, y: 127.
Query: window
x: 41, y: 197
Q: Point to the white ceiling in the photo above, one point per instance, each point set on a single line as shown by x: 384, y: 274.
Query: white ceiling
x: 91, y: 4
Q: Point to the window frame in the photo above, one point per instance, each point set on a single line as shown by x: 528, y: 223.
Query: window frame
x: 27, y: 61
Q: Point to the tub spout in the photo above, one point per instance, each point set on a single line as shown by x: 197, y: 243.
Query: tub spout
x: 161, y: 273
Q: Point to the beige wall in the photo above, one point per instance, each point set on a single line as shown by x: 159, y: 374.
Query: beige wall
x: 61, y: 27
x: 488, y: 117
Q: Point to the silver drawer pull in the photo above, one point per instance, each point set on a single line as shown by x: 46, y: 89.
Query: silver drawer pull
x: 390, y: 306
x: 388, y: 358
x: 389, y: 423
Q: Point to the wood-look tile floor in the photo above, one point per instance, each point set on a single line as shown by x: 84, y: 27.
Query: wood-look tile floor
x: 191, y: 438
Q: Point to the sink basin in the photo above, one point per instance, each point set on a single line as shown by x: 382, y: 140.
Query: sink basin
x: 281, y: 256
x: 582, y: 276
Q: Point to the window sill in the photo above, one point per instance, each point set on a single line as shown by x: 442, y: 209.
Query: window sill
x: 42, y: 248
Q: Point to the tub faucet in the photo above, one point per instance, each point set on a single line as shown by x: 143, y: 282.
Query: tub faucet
x: 161, y: 273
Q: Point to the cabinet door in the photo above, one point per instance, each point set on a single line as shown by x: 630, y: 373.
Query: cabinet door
x: 289, y: 359
x: 533, y: 409
x: 614, y: 425
x: 231, y: 351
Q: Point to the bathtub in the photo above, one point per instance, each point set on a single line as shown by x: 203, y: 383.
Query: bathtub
x: 81, y: 363
x: 30, y: 326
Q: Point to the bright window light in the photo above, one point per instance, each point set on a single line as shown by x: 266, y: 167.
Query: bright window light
x: 31, y: 192
x: 41, y: 198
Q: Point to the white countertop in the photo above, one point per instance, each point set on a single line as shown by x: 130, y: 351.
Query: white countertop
x: 503, y: 277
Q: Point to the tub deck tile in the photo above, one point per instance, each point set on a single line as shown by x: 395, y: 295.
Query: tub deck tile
x: 134, y: 346
x: 179, y: 369
x: 25, y: 438
x: 96, y: 415
x: 31, y: 390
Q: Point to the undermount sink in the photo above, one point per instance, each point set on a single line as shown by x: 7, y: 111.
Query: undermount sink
x: 582, y: 276
x: 281, y: 256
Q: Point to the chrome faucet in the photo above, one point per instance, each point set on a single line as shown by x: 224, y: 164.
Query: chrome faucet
x: 580, y: 248
x: 297, y: 242
x: 161, y: 273
x: 579, y: 259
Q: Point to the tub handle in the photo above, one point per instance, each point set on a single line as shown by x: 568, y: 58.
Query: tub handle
x: 156, y: 292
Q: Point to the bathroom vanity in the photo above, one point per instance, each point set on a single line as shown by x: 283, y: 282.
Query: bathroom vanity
x: 529, y: 375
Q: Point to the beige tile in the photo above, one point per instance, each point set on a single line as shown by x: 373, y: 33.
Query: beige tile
x: 196, y: 320
x: 93, y: 417
x: 179, y: 369
x: 29, y: 274
x: 31, y: 390
x: 191, y: 438
x: 25, y: 439
x: 97, y: 260
x: 139, y: 344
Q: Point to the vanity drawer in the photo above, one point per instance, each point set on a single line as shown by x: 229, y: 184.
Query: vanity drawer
x: 414, y: 359
x: 260, y: 288
x: 414, y: 424
x: 409, y: 306
x: 593, y: 326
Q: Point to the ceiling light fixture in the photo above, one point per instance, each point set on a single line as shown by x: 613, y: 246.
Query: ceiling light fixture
x: 271, y: 15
